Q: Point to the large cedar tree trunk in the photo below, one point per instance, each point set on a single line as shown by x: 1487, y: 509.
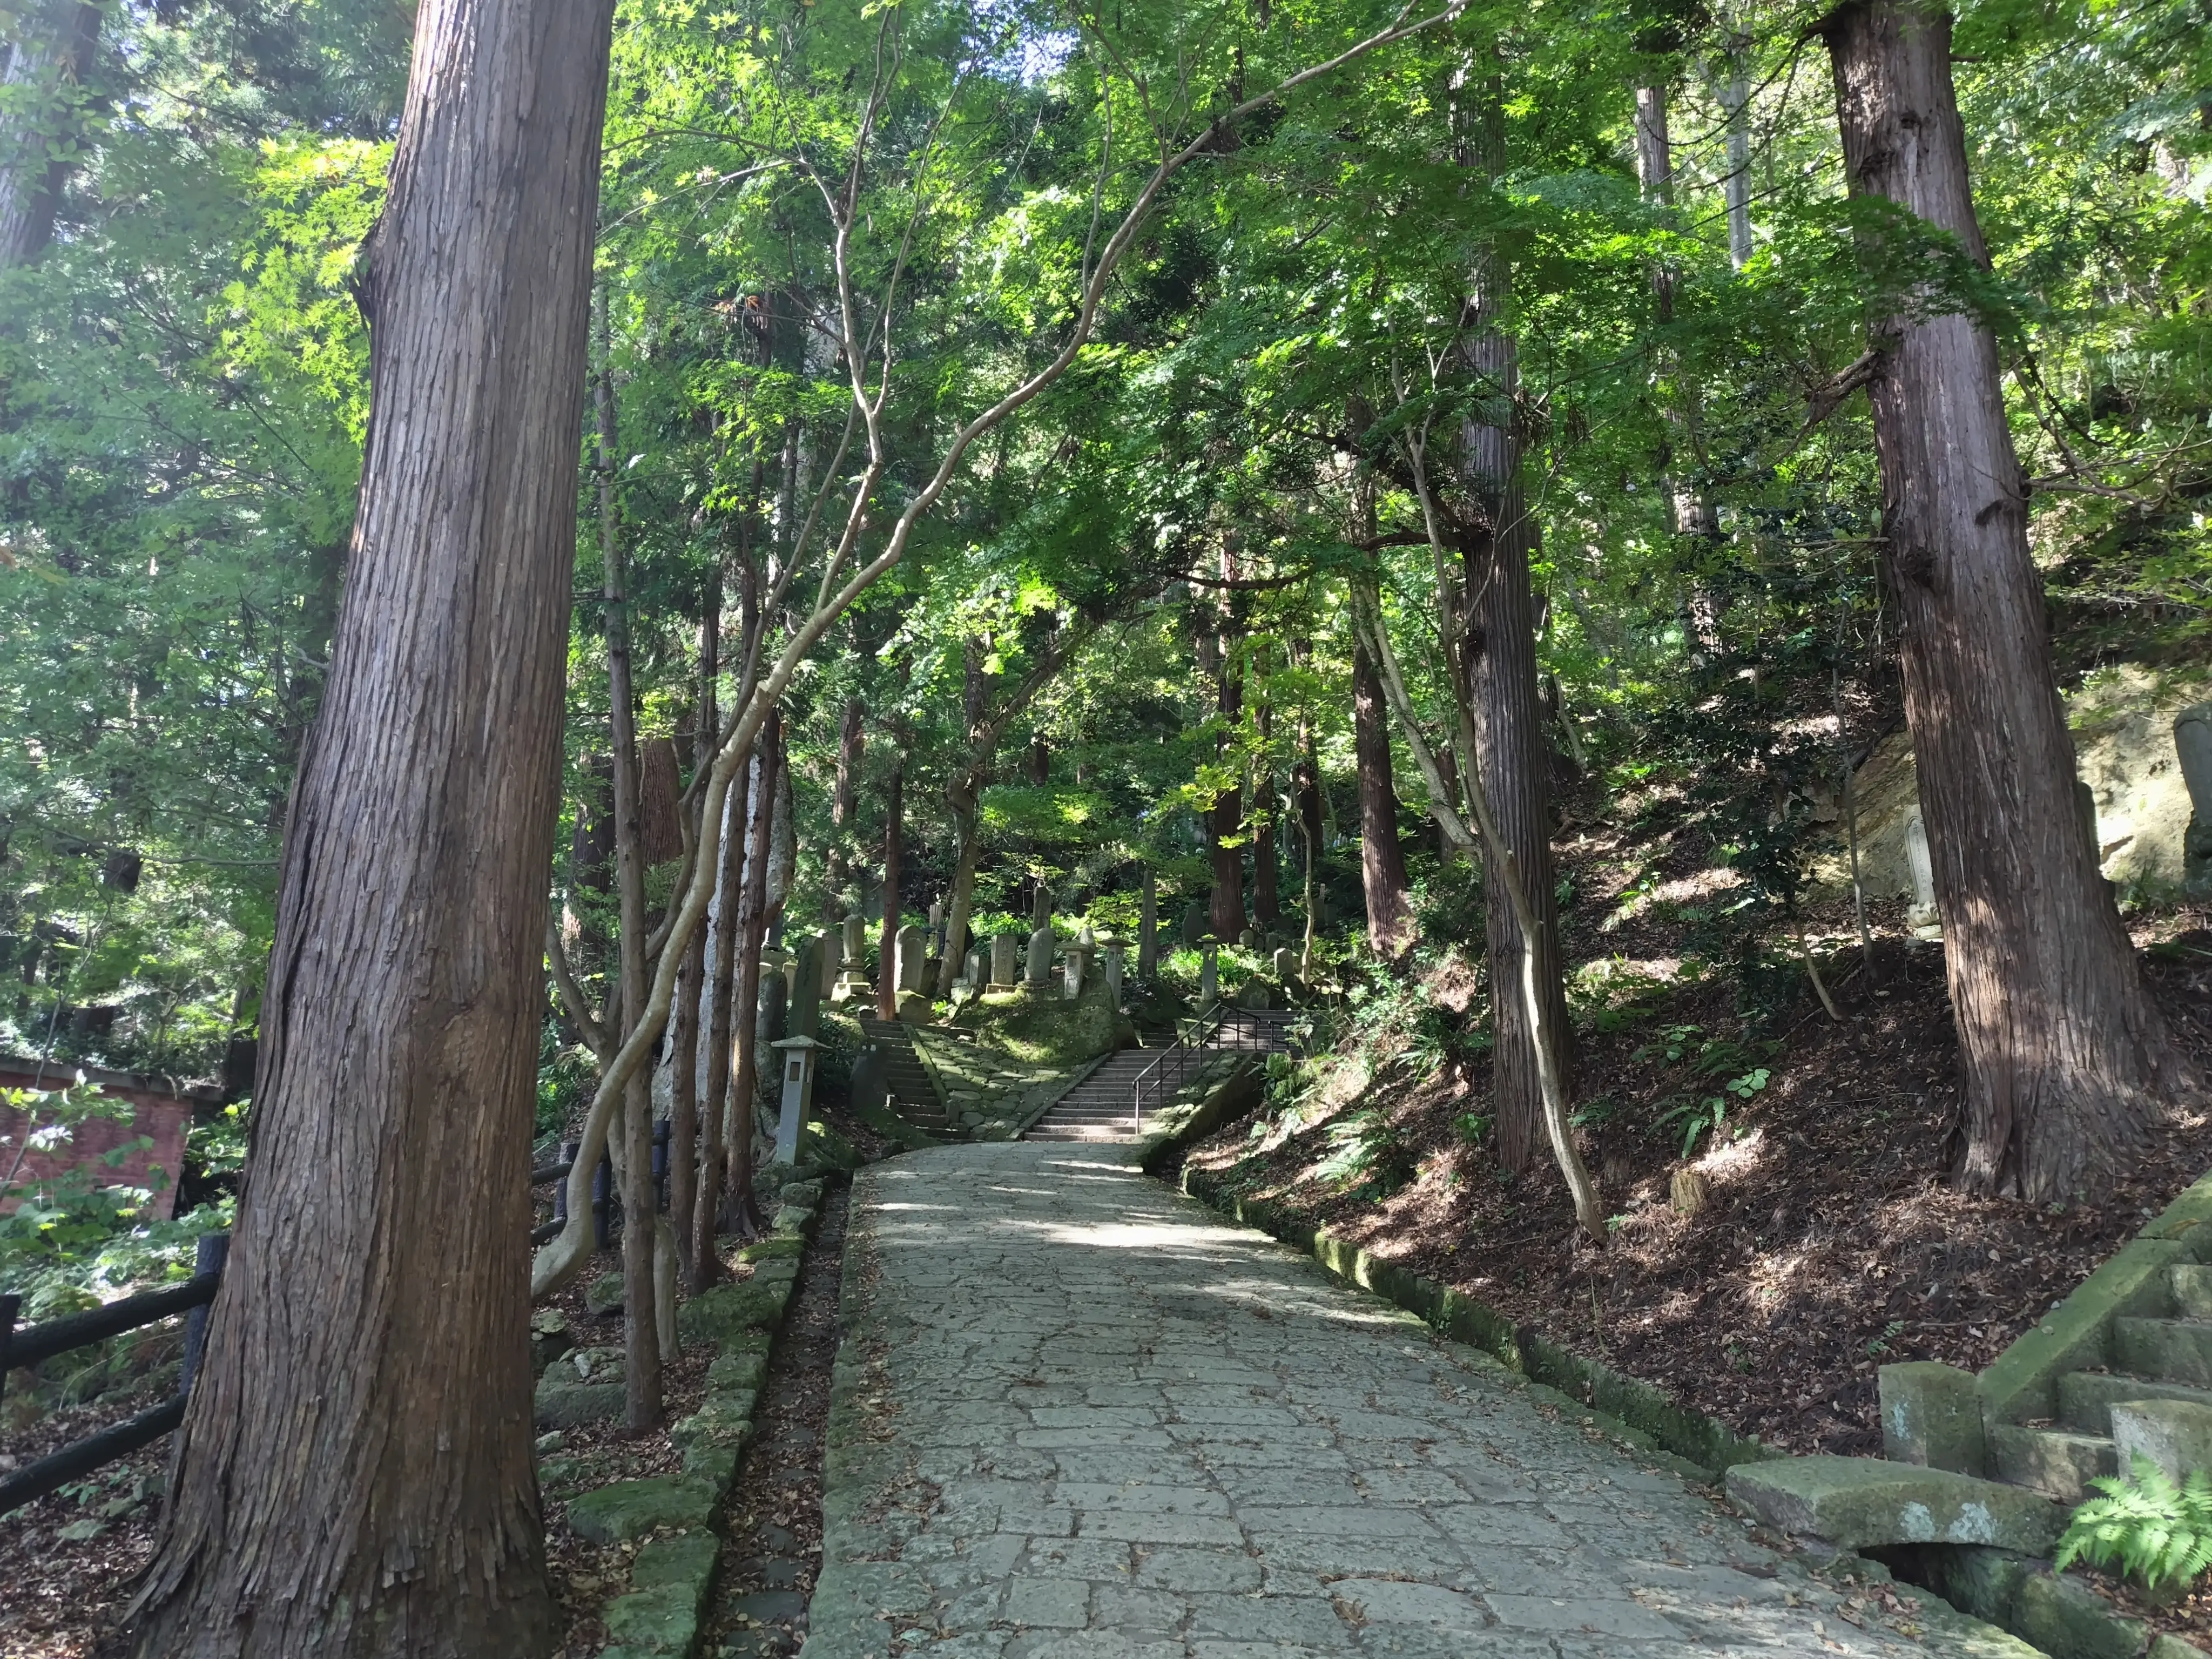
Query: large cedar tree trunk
x: 1500, y: 652
x: 1498, y: 667
x: 356, y: 1476
x: 44, y: 60
x: 1381, y: 859
x: 2065, y: 1057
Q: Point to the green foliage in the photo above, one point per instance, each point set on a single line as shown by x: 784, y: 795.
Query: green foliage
x: 2144, y: 1524
x: 1366, y: 1156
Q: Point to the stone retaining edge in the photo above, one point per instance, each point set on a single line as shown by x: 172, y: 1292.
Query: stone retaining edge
x: 682, y: 1575
x: 1645, y: 1416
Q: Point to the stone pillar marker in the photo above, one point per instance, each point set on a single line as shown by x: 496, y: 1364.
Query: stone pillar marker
x: 805, y: 1019
x: 1078, y: 963
x: 1920, y: 915
x: 1003, y: 949
x: 911, y: 944
x: 772, y: 1011
x: 911, y: 984
x: 1209, y: 973
x: 1148, y: 927
x: 937, y: 928
x: 1286, y: 964
x: 795, y: 1054
x: 1040, y: 963
x: 853, y: 980
x: 2192, y: 745
x: 1114, y: 971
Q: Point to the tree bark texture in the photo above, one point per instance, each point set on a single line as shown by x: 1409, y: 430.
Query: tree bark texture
x: 43, y: 65
x: 851, y: 741
x: 721, y: 989
x: 961, y: 800
x: 894, y: 858
x: 2065, y: 1056
x: 1499, y: 663
x: 683, y: 1124
x: 1267, y: 872
x: 1225, y: 822
x: 743, y: 1215
x: 640, y: 1348
x: 355, y: 1473
x: 1381, y: 859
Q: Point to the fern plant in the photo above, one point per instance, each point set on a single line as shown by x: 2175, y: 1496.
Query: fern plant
x: 2153, y: 1529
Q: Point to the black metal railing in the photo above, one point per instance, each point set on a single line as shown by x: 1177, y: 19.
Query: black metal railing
x: 1219, y: 1029
x: 37, y: 1343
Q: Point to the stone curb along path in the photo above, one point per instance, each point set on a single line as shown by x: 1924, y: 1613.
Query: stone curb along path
x: 1074, y: 1414
x: 672, y: 1520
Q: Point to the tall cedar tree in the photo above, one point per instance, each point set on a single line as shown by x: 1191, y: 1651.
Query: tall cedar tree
x: 356, y: 1476
x: 2066, y: 1057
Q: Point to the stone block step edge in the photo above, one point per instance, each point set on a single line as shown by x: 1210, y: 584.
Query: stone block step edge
x: 678, y: 1601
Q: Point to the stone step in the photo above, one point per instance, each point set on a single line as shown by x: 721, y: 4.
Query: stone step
x: 2192, y: 1289
x: 2171, y: 1350
x: 2086, y: 1399
x: 2057, y: 1463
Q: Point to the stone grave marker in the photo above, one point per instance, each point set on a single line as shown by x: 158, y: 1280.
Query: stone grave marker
x: 1920, y: 915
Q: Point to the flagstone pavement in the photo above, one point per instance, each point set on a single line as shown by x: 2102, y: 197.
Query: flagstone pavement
x: 1079, y: 1414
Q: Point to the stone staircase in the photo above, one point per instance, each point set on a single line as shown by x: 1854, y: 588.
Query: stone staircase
x: 1099, y: 1107
x: 2154, y: 1356
x: 913, y: 1092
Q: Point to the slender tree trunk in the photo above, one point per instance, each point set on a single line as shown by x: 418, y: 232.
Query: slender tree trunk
x: 1267, y: 872
x: 1381, y: 859
x: 43, y: 64
x: 851, y: 739
x: 2065, y: 1057
x: 1305, y: 789
x: 1499, y: 674
x: 690, y: 986
x: 1225, y: 822
x: 967, y: 827
x: 894, y: 857
x: 1511, y: 758
x: 721, y: 989
x: 1735, y: 105
x: 355, y: 1473
x: 641, y: 1349
x: 744, y: 1215
x: 1690, y: 514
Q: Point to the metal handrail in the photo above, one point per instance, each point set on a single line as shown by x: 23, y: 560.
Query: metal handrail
x: 1217, y: 1015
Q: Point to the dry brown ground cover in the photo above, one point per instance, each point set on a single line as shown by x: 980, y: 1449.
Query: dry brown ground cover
x: 1833, y: 1242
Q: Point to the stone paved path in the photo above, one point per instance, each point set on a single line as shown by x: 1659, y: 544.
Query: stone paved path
x: 1079, y: 1414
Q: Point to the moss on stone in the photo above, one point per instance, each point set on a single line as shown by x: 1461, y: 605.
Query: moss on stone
x: 1047, y: 1030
